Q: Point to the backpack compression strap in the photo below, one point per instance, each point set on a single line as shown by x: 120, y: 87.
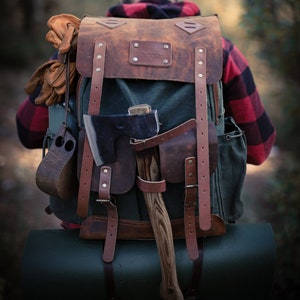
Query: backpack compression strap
x: 202, y: 139
x: 88, y: 161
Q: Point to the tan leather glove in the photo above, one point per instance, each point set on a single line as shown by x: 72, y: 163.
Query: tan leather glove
x: 52, y: 76
x: 63, y: 31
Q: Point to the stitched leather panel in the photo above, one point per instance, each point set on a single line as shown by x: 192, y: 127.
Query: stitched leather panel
x: 165, y: 30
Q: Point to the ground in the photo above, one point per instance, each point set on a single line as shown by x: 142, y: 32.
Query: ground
x: 22, y: 204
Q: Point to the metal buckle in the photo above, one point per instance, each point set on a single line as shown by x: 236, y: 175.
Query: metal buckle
x: 191, y: 186
x: 106, y: 202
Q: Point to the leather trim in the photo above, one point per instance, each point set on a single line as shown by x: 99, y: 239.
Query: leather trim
x: 94, y: 227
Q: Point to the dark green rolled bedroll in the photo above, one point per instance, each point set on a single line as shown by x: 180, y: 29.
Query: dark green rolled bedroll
x: 57, y: 264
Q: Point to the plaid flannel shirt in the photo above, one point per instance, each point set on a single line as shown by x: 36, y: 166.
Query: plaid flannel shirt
x: 241, y: 98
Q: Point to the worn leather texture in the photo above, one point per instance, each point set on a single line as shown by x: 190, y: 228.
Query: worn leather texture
x: 166, y: 31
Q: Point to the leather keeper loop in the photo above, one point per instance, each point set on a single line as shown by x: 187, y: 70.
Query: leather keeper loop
x: 151, y: 186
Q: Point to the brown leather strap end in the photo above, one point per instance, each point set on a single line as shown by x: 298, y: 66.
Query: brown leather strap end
x: 112, y: 214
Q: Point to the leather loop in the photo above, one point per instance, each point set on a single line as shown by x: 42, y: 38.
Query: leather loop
x: 190, y: 201
x: 112, y: 214
x: 202, y: 139
x: 151, y: 186
x: 94, y: 109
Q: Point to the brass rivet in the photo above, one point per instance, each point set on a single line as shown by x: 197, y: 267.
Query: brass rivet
x: 200, y: 62
x: 99, y: 56
x: 200, y: 75
x: 100, y: 44
x: 105, y: 171
x: 165, y: 61
x: 98, y: 69
x: 190, y: 161
x: 166, y: 46
x: 135, y: 59
x: 104, y: 185
x: 136, y: 45
x: 201, y: 50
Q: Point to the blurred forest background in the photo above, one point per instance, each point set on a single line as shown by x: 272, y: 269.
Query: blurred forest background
x: 267, y: 32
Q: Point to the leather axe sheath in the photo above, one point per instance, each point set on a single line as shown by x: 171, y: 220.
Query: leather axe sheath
x: 104, y: 130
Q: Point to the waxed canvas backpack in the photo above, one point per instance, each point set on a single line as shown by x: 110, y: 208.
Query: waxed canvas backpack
x: 142, y: 150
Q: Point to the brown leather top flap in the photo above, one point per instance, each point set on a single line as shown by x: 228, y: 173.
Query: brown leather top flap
x: 151, y: 49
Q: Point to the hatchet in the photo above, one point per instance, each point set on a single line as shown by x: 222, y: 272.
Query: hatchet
x: 148, y: 169
x: 103, y: 131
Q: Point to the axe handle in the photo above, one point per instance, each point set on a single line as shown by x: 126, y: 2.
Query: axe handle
x: 160, y: 221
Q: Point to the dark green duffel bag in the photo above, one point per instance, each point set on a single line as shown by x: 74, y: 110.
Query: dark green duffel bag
x: 59, y: 265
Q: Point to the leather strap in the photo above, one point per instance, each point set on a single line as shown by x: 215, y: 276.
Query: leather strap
x: 163, y: 137
x: 193, y: 293
x: 112, y: 214
x: 151, y: 186
x: 94, y: 109
x: 202, y: 139
x: 191, y: 189
x: 110, y: 281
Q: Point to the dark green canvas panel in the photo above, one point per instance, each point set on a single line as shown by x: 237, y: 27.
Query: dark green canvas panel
x: 175, y: 104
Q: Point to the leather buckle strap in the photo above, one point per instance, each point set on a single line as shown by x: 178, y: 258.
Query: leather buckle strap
x: 191, y: 189
x: 202, y: 139
x: 112, y: 214
x: 94, y: 109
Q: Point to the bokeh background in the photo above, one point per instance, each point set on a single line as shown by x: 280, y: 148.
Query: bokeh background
x: 267, y: 32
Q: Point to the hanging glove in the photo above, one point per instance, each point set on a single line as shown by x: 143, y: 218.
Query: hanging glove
x: 52, y: 77
x: 63, y: 31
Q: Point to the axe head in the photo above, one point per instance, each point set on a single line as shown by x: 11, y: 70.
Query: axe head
x: 103, y: 131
